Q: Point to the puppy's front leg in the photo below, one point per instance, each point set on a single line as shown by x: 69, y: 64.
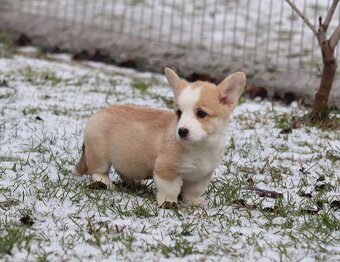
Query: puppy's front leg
x: 193, y: 190
x: 168, y: 190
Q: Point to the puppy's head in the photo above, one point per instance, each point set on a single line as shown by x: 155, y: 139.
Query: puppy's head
x: 203, y: 108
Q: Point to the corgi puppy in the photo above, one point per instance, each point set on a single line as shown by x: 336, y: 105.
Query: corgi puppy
x: 179, y: 149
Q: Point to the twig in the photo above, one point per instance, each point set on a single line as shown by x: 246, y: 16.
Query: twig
x: 321, y: 36
x: 333, y: 41
x: 330, y: 14
x: 265, y: 193
x: 305, y: 19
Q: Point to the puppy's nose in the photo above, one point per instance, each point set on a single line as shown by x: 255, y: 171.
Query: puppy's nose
x: 183, y: 132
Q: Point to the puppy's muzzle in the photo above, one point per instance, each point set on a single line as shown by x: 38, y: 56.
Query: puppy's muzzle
x: 183, y: 132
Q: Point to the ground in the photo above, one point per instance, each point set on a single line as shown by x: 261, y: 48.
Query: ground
x: 275, y: 196
x: 266, y: 39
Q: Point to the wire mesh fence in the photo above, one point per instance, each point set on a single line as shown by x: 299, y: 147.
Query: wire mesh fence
x: 266, y: 33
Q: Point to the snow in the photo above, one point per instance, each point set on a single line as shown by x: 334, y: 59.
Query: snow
x: 264, y: 32
x: 74, y: 223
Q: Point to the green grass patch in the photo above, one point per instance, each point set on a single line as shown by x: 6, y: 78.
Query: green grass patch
x: 140, y: 86
x: 40, y: 77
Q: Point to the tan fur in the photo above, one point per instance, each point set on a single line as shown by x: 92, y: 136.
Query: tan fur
x: 141, y: 142
x: 131, y: 138
x: 81, y: 166
x: 209, y: 95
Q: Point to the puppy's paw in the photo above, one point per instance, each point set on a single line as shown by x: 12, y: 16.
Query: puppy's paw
x: 103, y: 181
x: 169, y: 205
x: 194, y: 201
x: 110, y: 186
x: 75, y: 172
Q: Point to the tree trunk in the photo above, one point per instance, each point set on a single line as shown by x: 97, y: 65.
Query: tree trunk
x: 328, y: 74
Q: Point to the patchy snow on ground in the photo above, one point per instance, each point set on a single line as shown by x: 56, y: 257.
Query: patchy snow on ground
x: 273, y: 198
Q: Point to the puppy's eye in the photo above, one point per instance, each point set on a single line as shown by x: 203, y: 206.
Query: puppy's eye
x: 179, y: 113
x: 201, y: 114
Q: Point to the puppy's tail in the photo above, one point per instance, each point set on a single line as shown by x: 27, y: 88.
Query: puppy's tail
x: 81, y: 167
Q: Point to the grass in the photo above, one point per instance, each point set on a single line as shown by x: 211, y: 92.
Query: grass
x: 11, y: 237
x: 47, y: 214
x: 35, y: 77
x: 6, y: 47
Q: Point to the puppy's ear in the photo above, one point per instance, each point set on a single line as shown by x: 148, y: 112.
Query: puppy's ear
x: 174, y: 80
x: 231, y: 88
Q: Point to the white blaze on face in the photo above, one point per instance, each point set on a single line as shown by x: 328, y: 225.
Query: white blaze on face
x: 187, y: 101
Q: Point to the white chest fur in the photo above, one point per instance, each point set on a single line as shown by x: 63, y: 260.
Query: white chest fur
x: 200, y: 160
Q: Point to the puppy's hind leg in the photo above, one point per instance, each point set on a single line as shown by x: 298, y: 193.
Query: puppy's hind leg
x: 81, y: 167
x: 98, y: 167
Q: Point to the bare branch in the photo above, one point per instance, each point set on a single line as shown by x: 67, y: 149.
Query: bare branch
x: 330, y: 14
x: 321, y: 36
x: 305, y: 19
x: 320, y: 22
x: 333, y: 41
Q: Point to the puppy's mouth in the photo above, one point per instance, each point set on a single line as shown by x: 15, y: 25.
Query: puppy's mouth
x: 179, y: 138
x: 189, y: 140
x: 187, y: 136
x: 183, y: 139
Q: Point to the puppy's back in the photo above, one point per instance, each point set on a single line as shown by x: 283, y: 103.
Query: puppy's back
x: 127, y: 137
